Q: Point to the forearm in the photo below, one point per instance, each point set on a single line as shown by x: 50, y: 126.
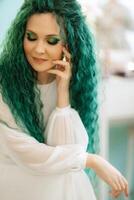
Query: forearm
x: 90, y: 160
x: 93, y: 160
x: 109, y: 174
x: 63, y: 99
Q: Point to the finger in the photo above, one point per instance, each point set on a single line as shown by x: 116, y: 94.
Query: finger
x: 63, y: 63
x: 126, y: 192
x: 114, y: 187
x: 60, y: 62
x: 116, y: 193
x: 125, y: 186
x: 59, y: 73
x: 118, y: 184
x: 59, y: 67
x: 122, y: 183
x: 67, y: 54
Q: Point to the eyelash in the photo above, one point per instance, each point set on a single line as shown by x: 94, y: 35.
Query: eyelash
x: 51, y: 43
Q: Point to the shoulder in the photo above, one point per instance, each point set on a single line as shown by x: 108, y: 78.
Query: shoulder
x: 4, y: 109
x: 5, y: 113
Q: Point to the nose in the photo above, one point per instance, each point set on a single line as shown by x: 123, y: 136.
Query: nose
x: 40, y: 47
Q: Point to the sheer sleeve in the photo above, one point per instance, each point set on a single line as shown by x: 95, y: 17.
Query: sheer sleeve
x: 65, y: 127
x: 39, y: 158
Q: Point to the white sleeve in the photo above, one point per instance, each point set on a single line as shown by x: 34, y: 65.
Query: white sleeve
x: 39, y: 158
x: 65, y: 127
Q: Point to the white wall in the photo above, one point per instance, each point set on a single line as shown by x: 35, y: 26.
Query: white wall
x: 8, y: 10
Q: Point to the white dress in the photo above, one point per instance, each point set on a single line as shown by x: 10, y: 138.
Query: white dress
x: 30, y: 170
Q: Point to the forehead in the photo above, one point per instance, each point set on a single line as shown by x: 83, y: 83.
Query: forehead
x: 44, y: 23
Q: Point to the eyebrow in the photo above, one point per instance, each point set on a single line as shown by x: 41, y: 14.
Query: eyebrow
x: 49, y: 35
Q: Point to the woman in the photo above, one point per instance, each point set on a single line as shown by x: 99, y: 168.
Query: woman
x: 48, y: 106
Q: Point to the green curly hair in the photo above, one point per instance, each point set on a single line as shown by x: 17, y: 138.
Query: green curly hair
x: 18, y: 80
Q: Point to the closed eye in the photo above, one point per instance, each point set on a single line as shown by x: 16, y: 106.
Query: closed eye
x: 53, y: 41
x: 31, y: 36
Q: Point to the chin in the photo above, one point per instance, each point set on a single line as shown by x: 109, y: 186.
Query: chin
x: 41, y: 68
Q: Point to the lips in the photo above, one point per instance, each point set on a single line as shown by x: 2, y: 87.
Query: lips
x: 39, y: 60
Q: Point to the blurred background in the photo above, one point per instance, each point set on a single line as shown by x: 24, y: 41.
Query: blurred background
x: 112, y: 22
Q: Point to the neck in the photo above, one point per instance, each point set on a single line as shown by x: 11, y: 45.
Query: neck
x: 45, y: 78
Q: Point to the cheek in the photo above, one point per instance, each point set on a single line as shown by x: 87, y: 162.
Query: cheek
x: 56, y: 52
x: 27, y: 47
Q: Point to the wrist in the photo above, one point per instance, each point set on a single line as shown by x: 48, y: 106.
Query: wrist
x: 65, y: 109
x: 63, y: 99
x: 91, y: 160
x: 63, y: 90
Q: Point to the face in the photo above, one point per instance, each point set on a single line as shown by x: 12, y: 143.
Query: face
x: 42, y: 41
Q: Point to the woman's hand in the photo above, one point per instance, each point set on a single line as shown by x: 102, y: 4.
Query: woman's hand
x: 63, y: 71
x: 109, y: 174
